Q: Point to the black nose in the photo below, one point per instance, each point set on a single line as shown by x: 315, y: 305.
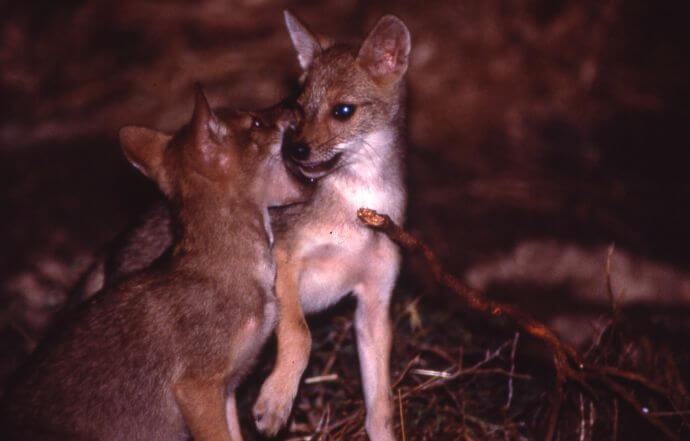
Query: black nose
x: 300, y: 151
x: 294, y: 149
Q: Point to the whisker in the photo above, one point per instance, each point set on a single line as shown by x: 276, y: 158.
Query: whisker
x: 368, y: 152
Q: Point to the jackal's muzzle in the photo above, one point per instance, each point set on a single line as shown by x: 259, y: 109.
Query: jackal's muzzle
x: 301, y: 159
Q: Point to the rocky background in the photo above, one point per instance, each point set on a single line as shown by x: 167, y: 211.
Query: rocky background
x: 540, y: 133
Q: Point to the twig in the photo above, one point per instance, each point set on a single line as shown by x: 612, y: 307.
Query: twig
x: 592, y: 418
x: 556, y: 403
x: 564, y: 355
x: 615, y: 420
x: 321, y: 379
x: 568, y: 364
x: 476, y: 369
x: 409, y: 365
x: 432, y: 373
x: 325, y: 419
x: 583, y: 429
x: 402, y: 416
x: 472, y: 297
x: 439, y: 352
x: 609, y: 283
x: 512, y: 371
x: 631, y: 376
x: 343, y: 422
x: 672, y: 413
x: 627, y: 397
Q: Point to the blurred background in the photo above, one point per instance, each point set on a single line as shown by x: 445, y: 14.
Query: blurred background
x: 540, y: 133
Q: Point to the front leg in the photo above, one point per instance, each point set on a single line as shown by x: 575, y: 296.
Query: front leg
x: 231, y: 417
x: 374, y: 335
x: 274, y: 404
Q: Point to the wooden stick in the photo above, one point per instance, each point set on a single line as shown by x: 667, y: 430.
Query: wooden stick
x: 568, y: 364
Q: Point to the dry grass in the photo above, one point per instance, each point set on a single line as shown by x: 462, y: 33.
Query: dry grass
x: 458, y: 375
x: 528, y: 119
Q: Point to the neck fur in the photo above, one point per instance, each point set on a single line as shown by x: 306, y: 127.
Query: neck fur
x: 371, y: 175
x: 210, y: 228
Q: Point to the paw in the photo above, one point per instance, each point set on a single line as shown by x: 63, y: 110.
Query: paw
x: 380, y: 427
x: 381, y: 435
x: 272, y: 408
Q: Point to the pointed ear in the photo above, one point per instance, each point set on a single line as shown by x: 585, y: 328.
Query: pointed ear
x: 305, y: 43
x: 385, y: 53
x: 206, y: 127
x: 202, y: 116
x: 144, y: 148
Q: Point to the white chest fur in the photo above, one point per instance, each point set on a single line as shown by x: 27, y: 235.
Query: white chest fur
x: 371, y: 177
x: 337, y: 248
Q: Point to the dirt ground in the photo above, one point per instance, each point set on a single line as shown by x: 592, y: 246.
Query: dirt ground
x: 540, y: 132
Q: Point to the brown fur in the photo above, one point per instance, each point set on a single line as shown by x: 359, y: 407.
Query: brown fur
x: 156, y: 355
x: 321, y: 250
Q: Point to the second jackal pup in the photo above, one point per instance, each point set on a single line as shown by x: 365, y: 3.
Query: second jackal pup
x: 158, y: 356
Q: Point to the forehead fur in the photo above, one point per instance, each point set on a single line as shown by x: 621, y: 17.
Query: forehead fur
x: 215, y: 158
x: 335, y: 76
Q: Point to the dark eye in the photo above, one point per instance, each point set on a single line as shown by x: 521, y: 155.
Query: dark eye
x: 343, y: 112
x: 257, y: 123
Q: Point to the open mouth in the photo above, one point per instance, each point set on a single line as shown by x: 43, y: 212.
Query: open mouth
x: 313, y: 170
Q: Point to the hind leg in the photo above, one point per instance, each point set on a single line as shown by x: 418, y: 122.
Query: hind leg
x: 202, y: 404
x: 231, y: 417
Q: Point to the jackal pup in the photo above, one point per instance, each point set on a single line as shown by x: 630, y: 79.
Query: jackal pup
x: 158, y: 355
x: 351, y: 142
